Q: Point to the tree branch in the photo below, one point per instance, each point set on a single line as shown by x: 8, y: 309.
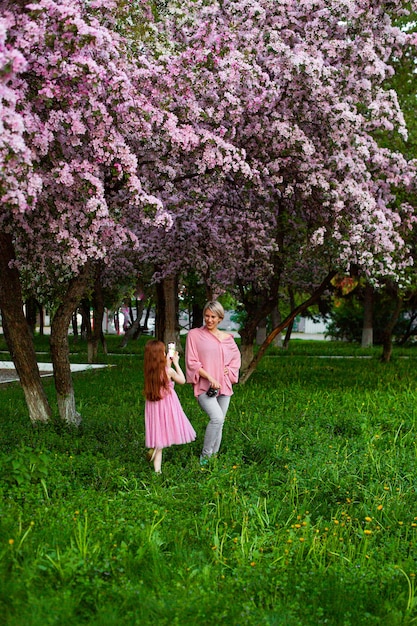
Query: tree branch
x: 299, y: 309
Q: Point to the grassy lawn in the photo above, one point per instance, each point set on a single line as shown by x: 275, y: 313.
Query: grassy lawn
x: 307, y: 517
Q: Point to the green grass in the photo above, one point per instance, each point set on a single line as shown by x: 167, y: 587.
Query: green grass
x: 307, y: 517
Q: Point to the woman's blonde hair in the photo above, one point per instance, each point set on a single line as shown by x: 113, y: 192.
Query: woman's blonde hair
x: 215, y: 307
x: 154, y: 365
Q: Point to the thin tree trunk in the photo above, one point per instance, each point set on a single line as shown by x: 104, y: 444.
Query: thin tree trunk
x: 140, y: 307
x: 167, y: 326
x: 133, y: 332
x: 247, y: 338
x: 275, y: 320
x: 85, y: 311
x: 197, y: 315
x: 261, y: 332
x: 288, y: 334
x: 258, y: 305
x: 41, y: 320
x: 389, y: 328
x: 60, y: 348
x: 246, y: 374
x: 31, y: 307
x: 75, y: 325
x: 291, y: 324
x: 147, y: 314
x: 18, y: 336
x: 96, y: 335
x: 409, y: 332
x: 368, y: 317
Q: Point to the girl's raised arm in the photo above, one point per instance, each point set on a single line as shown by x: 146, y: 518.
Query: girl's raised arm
x: 176, y: 373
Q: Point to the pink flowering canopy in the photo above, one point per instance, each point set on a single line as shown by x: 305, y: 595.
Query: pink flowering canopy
x: 299, y: 88
x: 79, y: 115
x: 232, y: 136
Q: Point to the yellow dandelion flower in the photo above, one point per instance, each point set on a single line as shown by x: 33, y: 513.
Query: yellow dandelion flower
x: 302, y: 539
x: 253, y: 564
x: 368, y: 519
x: 11, y: 542
x: 368, y: 532
x: 379, y: 507
x: 336, y: 521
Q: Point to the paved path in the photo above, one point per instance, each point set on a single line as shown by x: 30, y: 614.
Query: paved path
x: 8, y: 373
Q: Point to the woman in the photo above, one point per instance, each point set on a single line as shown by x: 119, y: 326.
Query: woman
x: 212, y: 366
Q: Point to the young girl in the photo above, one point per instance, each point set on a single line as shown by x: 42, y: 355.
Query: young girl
x: 165, y: 421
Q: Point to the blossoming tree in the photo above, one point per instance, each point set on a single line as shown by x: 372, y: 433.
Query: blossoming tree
x: 74, y: 100
x: 300, y: 87
x: 83, y: 115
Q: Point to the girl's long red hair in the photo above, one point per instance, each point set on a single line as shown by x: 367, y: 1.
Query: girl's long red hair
x: 156, y: 379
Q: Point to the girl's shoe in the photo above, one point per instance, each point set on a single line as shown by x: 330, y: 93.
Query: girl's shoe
x: 150, y: 455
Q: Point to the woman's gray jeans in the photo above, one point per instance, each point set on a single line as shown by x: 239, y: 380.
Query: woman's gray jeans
x: 216, y: 409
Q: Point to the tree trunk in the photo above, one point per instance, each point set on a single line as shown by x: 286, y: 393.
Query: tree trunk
x: 135, y: 328
x: 389, y: 328
x: 60, y: 348
x: 247, y: 339
x: 31, y: 307
x: 258, y: 304
x: 18, y: 336
x: 275, y: 320
x: 409, y: 332
x: 288, y: 334
x: 247, y: 372
x: 261, y: 332
x: 291, y: 324
x: 140, y: 307
x: 197, y: 315
x: 368, y: 317
x: 167, y: 327
x: 96, y: 335
x: 41, y: 320
x: 74, y: 323
x: 147, y: 314
x: 85, y: 312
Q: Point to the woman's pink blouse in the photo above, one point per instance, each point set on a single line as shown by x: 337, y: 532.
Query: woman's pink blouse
x: 204, y: 350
